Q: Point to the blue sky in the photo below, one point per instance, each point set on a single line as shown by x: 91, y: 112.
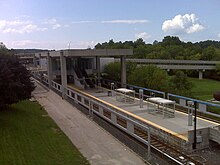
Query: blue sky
x: 59, y: 24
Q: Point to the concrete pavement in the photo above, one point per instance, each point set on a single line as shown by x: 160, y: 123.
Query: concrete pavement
x: 97, y: 145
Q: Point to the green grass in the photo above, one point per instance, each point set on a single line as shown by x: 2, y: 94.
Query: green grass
x: 28, y: 136
x: 203, y: 89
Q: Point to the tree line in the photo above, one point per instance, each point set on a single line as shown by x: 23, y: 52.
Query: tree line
x: 171, y: 47
x: 151, y: 77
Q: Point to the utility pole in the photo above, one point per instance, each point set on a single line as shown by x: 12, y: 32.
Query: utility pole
x: 69, y: 45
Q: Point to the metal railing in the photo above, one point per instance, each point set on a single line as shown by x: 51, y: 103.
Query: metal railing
x: 203, y: 106
x: 147, y: 92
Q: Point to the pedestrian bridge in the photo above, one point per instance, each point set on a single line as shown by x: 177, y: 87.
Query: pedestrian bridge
x: 199, y: 65
x: 179, y: 64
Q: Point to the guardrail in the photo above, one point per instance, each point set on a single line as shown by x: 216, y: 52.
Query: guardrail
x: 56, y: 86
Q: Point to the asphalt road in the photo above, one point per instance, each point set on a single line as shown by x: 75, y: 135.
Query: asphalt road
x: 97, y: 145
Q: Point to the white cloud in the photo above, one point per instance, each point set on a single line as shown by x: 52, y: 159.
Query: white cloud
x: 22, y: 43
x: 52, y: 44
x: 83, y: 44
x: 114, y: 21
x: 143, y: 35
x: 56, y: 26
x: 187, y: 23
x: 82, y: 22
x: 18, y: 26
x: 50, y: 21
x: 126, y: 21
x: 37, y: 44
x: 54, y: 23
x: 219, y: 35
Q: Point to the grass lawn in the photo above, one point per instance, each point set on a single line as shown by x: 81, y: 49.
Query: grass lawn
x: 203, y: 89
x: 29, y: 137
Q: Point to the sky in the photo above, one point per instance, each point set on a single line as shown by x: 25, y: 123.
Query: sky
x: 63, y: 24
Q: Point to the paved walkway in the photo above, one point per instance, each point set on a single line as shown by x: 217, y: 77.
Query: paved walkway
x: 98, y: 146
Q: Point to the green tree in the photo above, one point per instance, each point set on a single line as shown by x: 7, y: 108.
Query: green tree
x: 113, y: 71
x: 171, y: 40
x: 171, y: 47
x: 208, y: 53
x: 150, y: 77
x: 180, y: 84
x: 15, y: 83
x: 130, y: 67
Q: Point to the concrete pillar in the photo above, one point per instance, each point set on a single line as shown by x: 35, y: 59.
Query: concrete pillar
x: 98, y: 69
x: 63, y: 75
x: 49, y: 69
x: 141, y: 96
x: 114, y: 118
x: 130, y: 127
x: 200, y: 74
x: 112, y: 89
x: 35, y: 61
x: 123, y: 71
x: 39, y: 60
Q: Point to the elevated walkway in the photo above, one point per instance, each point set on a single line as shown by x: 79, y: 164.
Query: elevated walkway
x: 177, y: 64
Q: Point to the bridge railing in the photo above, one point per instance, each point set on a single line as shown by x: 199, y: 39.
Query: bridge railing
x: 56, y: 86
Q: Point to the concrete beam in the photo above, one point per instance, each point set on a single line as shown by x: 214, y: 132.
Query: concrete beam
x: 123, y: 71
x: 63, y: 75
x: 92, y: 52
x: 35, y: 61
x: 98, y: 52
x: 200, y: 74
x: 98, y: 68
x: 49, y: 69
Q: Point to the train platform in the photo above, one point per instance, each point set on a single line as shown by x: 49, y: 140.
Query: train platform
x: 177, y: 125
